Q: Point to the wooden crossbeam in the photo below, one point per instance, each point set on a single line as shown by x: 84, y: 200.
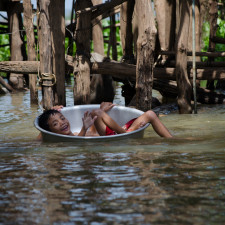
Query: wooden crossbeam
x: 116, y: 69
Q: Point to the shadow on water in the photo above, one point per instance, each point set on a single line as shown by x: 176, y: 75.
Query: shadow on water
x: 136, y: 181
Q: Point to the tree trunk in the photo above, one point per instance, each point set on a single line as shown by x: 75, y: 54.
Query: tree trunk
x: 44, y: 31
x: 82, y: 37
x: 101, y: 86
x: 183, y: 83
x: 16, y: 80
x: 28, y: 24
x: 145, y: 54
x: 58, y: 49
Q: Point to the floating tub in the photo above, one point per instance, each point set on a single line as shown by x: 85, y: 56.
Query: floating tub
x: 74, y: 114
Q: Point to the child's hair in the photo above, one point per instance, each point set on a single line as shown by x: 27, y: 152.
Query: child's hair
x: 43, y: 118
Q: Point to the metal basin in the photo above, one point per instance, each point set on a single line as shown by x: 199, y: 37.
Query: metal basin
x: 74, y: 114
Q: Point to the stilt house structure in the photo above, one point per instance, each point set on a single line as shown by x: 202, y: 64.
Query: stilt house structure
x: 156, y: 41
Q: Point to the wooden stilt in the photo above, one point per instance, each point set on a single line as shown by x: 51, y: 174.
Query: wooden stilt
x: 28, y: 24
x: 145, y: 54
x: 183, y: 83
x: 82, y: 37
x: 44, y: 33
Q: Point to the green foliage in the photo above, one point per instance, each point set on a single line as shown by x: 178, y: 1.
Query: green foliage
x: 205, y: 38
x: 106, y: 33
x: 4, y: 51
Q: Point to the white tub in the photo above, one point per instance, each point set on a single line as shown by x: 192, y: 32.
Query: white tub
x: 74, y: 114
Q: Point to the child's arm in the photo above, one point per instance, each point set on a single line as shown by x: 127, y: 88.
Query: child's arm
x: 88, y: 121
x: 106, y: 106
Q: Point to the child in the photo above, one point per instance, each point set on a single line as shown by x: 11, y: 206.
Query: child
x: 98, y: 122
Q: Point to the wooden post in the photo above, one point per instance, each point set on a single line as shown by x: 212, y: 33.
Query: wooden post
x: 126, y: 15
x: 101, y: 86
x: 28, y: 24
x: 44, y: 34
x: 16, y: 80
x: 213, y: 15
x: 183, y: 83
x: 166, y: 20
x: 198, y: 29
x: 82, y: 37
x: 57, y: 18
x: 113, y: 37
x: 145, y: 54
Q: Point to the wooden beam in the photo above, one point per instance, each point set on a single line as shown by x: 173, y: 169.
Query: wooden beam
x: 218, y: 40
x: 207, y: 54
x: 100, y: 9
x: 116, y: 69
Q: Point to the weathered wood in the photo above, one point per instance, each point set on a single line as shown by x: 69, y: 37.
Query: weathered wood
x: 82, y: 37
x: 70, y: 45
x: 6, y: 85
x: 58, y: 49
x: 218, y: 40
x: 145, y: 54
x: 207, y: 54
x: 102, y: 8
x: 126, y: 15
x: 16, y: 80
x: 198, y: 28
x: 116, y: 69
x: 28, y: 24
x: 113, y: 40
x: 169, y: 89
x: 166, y: 16
x: 102, y: 89
x: 199, y: 65
x: 44, y: 31
x: 213, y: 15
x: 183, y: 83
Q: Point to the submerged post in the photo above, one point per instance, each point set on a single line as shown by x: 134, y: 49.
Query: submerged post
x: 82, y: 62
x: 44, y: 34
x: 145, y: 54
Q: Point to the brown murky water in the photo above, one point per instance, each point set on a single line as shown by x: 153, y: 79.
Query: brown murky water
x: 142, y: 181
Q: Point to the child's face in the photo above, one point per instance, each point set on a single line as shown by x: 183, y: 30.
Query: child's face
x: 59, y: 124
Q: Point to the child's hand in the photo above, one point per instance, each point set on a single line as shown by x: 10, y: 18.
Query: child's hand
x: 57, y: 107
x: 88, y: 121
x: 106, y: 106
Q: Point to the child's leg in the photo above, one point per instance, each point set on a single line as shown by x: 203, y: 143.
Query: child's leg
x: 150, y: 117
x: 103, y: 120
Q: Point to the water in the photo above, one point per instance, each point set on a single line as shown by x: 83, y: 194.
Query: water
x: 141, y: 181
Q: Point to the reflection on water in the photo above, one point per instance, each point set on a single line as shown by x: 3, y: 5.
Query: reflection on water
x: 141, y: 181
